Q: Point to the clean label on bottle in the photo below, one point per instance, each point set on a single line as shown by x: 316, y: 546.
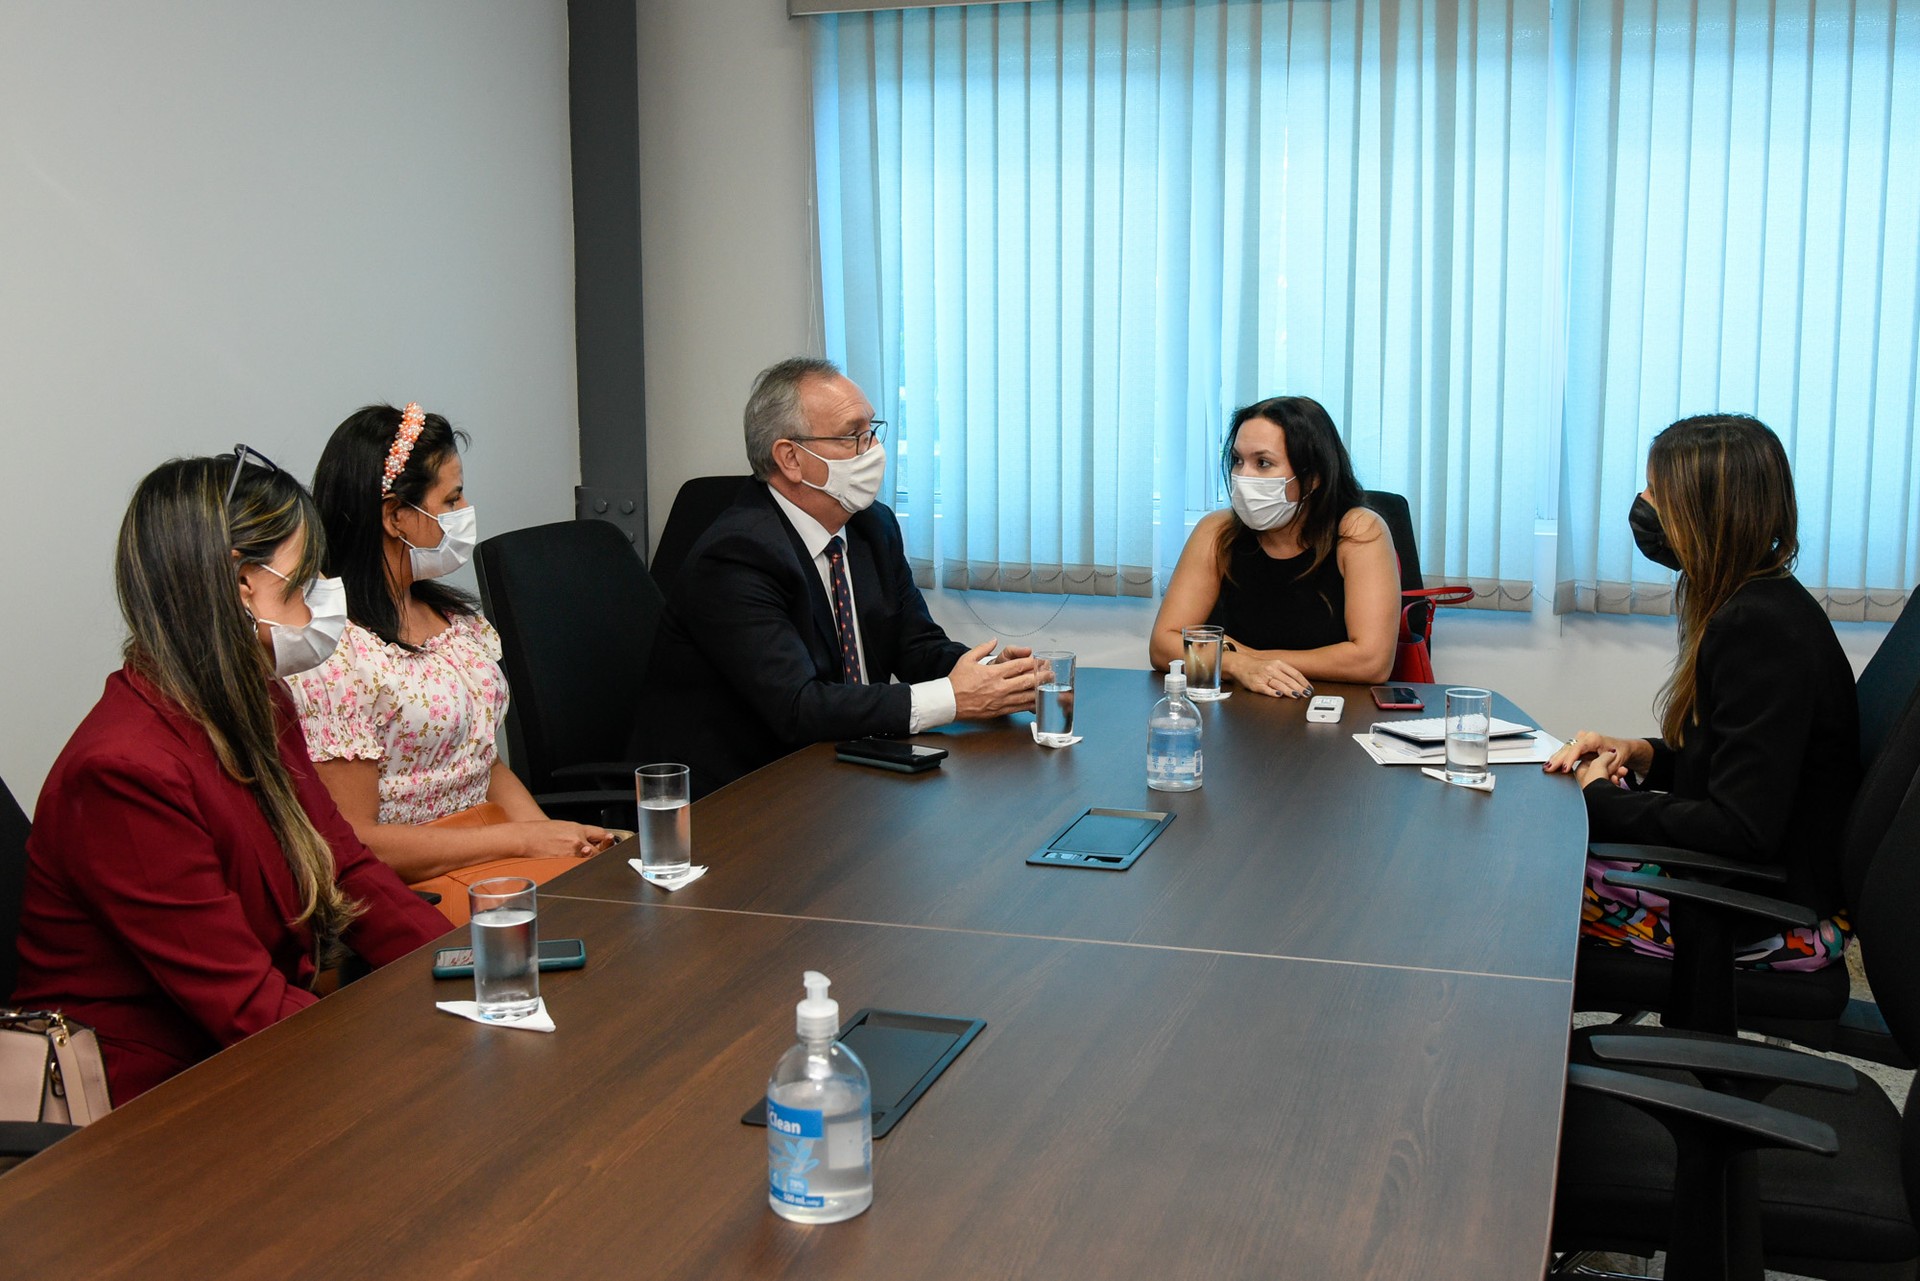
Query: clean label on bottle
x: 792, y: 1135
x: 805, y: 1149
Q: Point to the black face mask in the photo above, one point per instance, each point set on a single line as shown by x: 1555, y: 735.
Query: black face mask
x: 1649, y: 535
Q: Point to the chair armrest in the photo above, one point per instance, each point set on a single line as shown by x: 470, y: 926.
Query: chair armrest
x: 1455, y: 594
x: 1756, y: 1124
x: 597, y: 773
x: 589, y: 806
x: 1727, y: 1056
x: 1677, y: 889
x: 1692, y: 860
x: 25, y: 1138
x: 593, y: 796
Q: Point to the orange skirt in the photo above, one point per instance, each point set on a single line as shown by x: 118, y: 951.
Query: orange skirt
x: 452, y: 886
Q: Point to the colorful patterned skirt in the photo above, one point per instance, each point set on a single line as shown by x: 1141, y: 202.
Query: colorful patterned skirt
x: 1638, y: 920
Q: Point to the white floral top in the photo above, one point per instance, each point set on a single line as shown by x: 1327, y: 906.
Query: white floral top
x: 428, y: 717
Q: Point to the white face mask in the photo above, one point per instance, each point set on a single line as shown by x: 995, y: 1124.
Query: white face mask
x: 853, y: 482
x: 1261, y: 501
x: 305, y: 647
x: 459, y: 531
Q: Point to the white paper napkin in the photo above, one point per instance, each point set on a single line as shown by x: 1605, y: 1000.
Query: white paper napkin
x: 672, y: 882
x: 538, y: 1021
x: 1068, y: 741
x: 1484, y: 785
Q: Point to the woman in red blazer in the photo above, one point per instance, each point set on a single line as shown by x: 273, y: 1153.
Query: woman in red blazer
x: 186, y: 869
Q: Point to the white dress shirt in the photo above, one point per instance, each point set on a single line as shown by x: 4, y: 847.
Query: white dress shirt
x: 933, y: 702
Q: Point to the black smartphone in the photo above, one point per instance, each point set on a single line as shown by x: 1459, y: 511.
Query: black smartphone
x: 555, y: 954
x: 1397, y: 698
x: 890, y: 753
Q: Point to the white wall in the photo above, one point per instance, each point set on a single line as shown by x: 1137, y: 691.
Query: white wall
x: 729, y: 263
x: 726, y: 217
x: 226, y: 220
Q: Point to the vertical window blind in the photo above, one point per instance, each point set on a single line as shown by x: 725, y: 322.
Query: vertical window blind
x: 1745, y: 236
x: 1060, y: 241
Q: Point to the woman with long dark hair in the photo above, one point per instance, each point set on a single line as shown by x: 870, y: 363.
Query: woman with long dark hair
x: 186, y: 871
x: 1758, y: 755
x: 1298, y: 570
x: 403, y: 718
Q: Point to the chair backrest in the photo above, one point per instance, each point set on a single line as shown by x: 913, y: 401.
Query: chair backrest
x: 1399, y: 517
x: 695, y: 507
x: 1889, y: 681
x: 1884, y: 785
x: 13, y: 886
x: 577, y: 612
x: 1888, y: 920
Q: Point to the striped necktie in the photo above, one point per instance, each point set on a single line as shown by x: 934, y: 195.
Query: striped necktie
x: 843, y: 609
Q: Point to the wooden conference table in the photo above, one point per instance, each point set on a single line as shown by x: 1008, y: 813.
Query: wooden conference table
x: 1319, y: 1029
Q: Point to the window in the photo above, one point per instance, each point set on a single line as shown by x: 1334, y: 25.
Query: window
x: 1060, y: 241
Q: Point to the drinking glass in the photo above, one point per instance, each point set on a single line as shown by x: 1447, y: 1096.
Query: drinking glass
x: 1204, y: 642
x: 1053, y: 718
x: 1469, y: 717
x: 506, y: 938
x: 666, y: 825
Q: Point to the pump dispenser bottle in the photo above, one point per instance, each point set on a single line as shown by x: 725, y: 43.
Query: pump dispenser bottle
x: 1173, y: 737
x: 819, y: 1120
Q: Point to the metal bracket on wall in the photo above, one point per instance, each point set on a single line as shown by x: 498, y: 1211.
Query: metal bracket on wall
x: 625, y: 508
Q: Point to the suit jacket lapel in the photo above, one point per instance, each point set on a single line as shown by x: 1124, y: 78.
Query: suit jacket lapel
x: 822, y: 608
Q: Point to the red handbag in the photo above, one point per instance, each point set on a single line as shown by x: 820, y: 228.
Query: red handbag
x: 1412, y: 658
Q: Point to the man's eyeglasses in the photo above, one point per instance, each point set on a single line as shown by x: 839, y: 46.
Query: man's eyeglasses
x: 240, y: 455
x: 874, y: 432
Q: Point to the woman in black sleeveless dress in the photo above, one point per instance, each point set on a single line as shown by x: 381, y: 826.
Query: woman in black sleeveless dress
x: 1299, y: 571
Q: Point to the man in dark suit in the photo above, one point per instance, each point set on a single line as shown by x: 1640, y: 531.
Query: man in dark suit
x: 796, y: 614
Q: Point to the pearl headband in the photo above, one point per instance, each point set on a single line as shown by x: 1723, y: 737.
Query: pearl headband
x: 411, y: 421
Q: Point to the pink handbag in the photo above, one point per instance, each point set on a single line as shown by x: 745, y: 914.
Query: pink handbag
x: 50, y: 1069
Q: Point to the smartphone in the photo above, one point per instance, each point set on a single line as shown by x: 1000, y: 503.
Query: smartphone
x: 1397, y: 698
x: 890, y: 753
x: 555, y: 954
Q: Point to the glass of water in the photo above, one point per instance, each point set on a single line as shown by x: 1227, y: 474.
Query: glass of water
x: 666, y: 826
x: 506, y: 982
x: 1053, y: 714
x: 1204, y: 641
x: 1469, y: 718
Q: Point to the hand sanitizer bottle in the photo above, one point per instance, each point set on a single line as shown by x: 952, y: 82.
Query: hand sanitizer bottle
x: 1173, y: 737
x: 819, y: 1120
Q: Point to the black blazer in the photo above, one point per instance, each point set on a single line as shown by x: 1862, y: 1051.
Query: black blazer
x: 746, y: 666
x: 1768, y: 773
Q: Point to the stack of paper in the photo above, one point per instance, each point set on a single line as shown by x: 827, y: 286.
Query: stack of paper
x: 1388, y: 750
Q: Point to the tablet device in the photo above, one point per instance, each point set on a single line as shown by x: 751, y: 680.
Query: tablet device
x: 903, y: 1053
x: 1429, y: 731
x: 891, y: 754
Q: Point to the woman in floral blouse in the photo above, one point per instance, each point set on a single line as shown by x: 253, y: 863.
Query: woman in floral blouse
x: 401, y: 721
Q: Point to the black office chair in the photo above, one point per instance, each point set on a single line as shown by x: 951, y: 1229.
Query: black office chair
x: 18, y: 1139
x: 1890, y: 678
x: 576, y: 611
x: 13, y: 886
x: 1791, y: 1210
x: 1700, y: 988
x: 1418, y: 602
x: 699, y: 501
